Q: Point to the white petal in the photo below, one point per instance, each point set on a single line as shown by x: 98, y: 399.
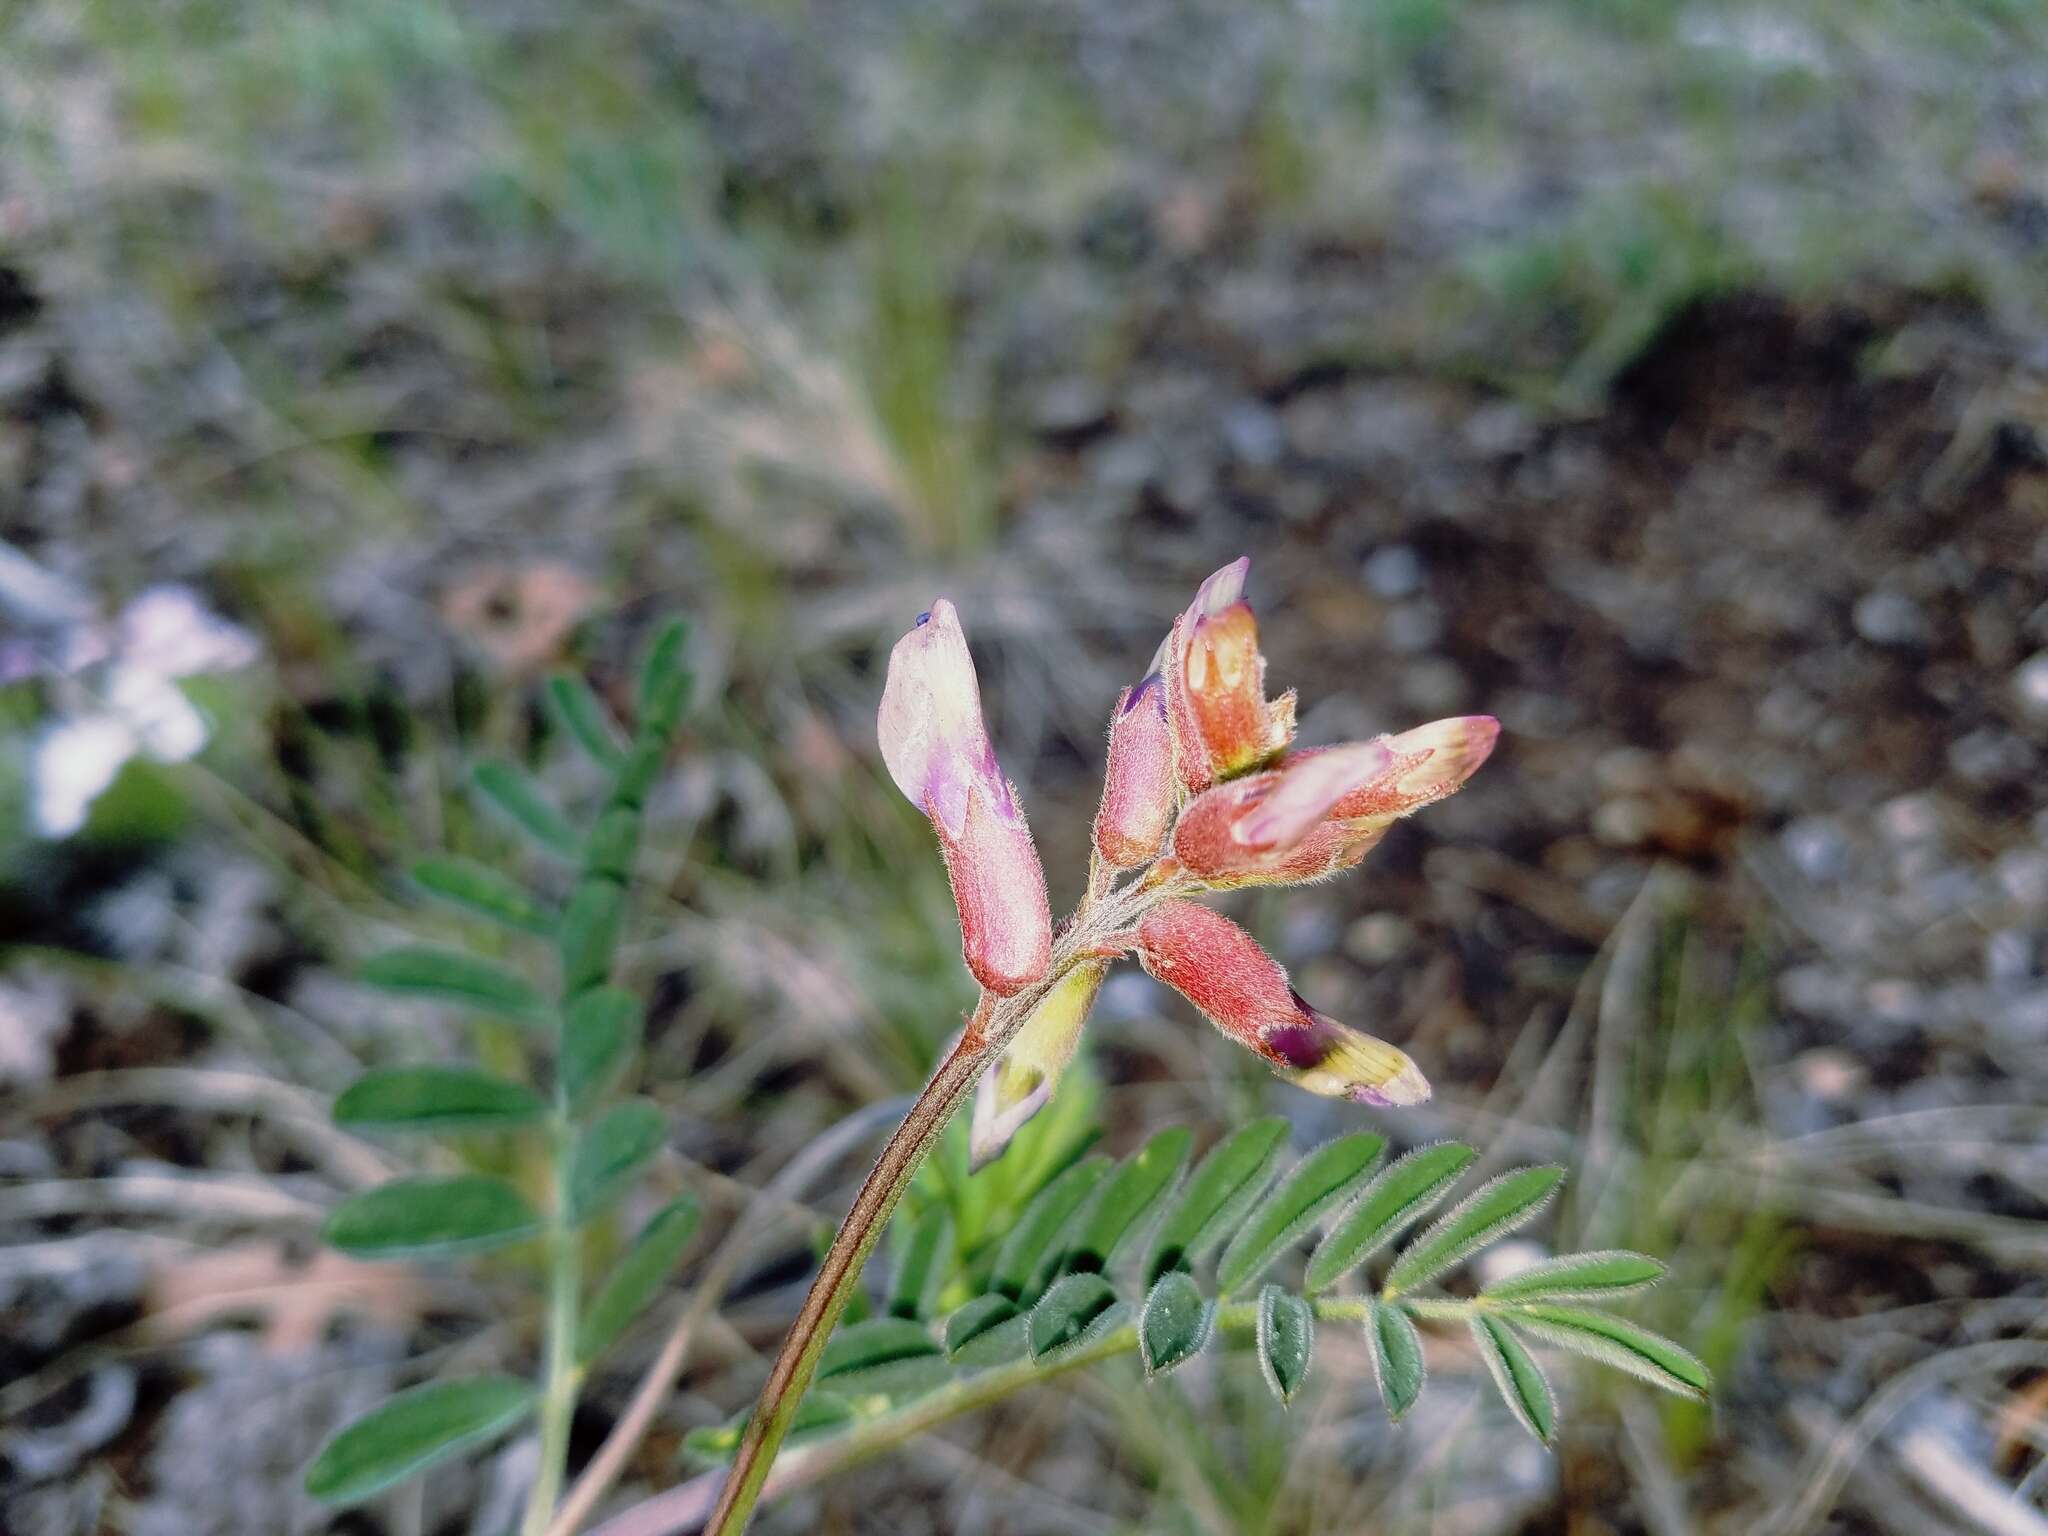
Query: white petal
x: 164, y: 721
x: 72, y: 765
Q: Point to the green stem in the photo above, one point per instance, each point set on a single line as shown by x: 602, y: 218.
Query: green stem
x: 994, y: 1023
x: 560, y: 1379
x: 682, y: 1509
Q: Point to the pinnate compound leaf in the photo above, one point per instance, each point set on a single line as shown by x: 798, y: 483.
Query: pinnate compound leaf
x: 1116, y: 1215
x: 514, y: 794
x: 434, y: 1099
x: 1175, y: 1324
x: 1320, y: 1182
x: 977, y: 1319
x: 1286, y: 1340
x: 1404, y: 1191
x: 1067, y: 1311
x: 637, y: 1278
x: 584, y: 718
x: 412, y: 1431
x: 1219, y: 1191
x: 600, y: 1032
x: 1600, y: 1336
x: 613, y: 1147
x: 1493, y: 1210
x: 1579, y: 1277
x: 448, y: 974
x: 1396, y: 1358
x: 1028, y: 1254
x: 1522, y: 1384
x: 431, y: 1218
x: 922, y: 1264
x: 484, y: 891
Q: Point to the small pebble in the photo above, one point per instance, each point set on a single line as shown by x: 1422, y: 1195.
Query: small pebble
x: 1891, y: 618
x: 1829, y: 1074
x: 1393, y: 571
x: 1379, y: 937
x: 2030, y: 687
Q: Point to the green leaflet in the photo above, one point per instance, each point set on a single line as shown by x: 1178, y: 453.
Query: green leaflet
x: 1521, y: 1382
x: 431, y: 1218
x: 1175, y: 1324
x: 1025, y: 1262
x: 976, y: 1320
x: 600, y: 1032
x: 590, y: 933
x: 412, y: 1431
x: 585, y: 720
x: 1578, y: 1277
x: 1222, y: 1187
x: 484, y: 891
x: 1318, y: 1183
x: 922, y: 1263
x: 1286, y: 1340
x: 1115, y: 1216
x: 665, y: 680
x: 613, y: 1148
x: 1493, y: 1210
x: 637, y: 1278
x: 522, y: 803
x: 432, y: 1099
x: 1067, y: 1312
x: 1405, y: 1190
x: 878, y: 1341
x: 1599, y: 1336
x: 1396, y: 1358
x: 452, y: 976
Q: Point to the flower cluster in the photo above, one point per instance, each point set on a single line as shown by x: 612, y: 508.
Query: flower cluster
x: 1205, y: 791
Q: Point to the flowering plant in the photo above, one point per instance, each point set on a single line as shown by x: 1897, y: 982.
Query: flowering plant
x: 1205, y: 791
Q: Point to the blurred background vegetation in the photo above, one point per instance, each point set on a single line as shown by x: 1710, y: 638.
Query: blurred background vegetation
x: 1668, y: 378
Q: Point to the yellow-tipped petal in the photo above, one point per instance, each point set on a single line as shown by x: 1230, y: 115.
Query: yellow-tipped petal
x: 1023, y: 1078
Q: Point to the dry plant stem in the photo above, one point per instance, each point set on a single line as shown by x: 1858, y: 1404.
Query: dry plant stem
x: 994, y: 1022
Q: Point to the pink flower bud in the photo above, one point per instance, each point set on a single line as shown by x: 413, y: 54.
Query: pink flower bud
x: 938, y: 752
x: 1244, y: 992
x: 1215, y: 679
x: 1428, y: 763
x: 1022, y: 1080
x: 1246, y: 829
x: 1138, y: 789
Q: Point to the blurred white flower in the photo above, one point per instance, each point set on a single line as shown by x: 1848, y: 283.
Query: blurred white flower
x: 137, y: 708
